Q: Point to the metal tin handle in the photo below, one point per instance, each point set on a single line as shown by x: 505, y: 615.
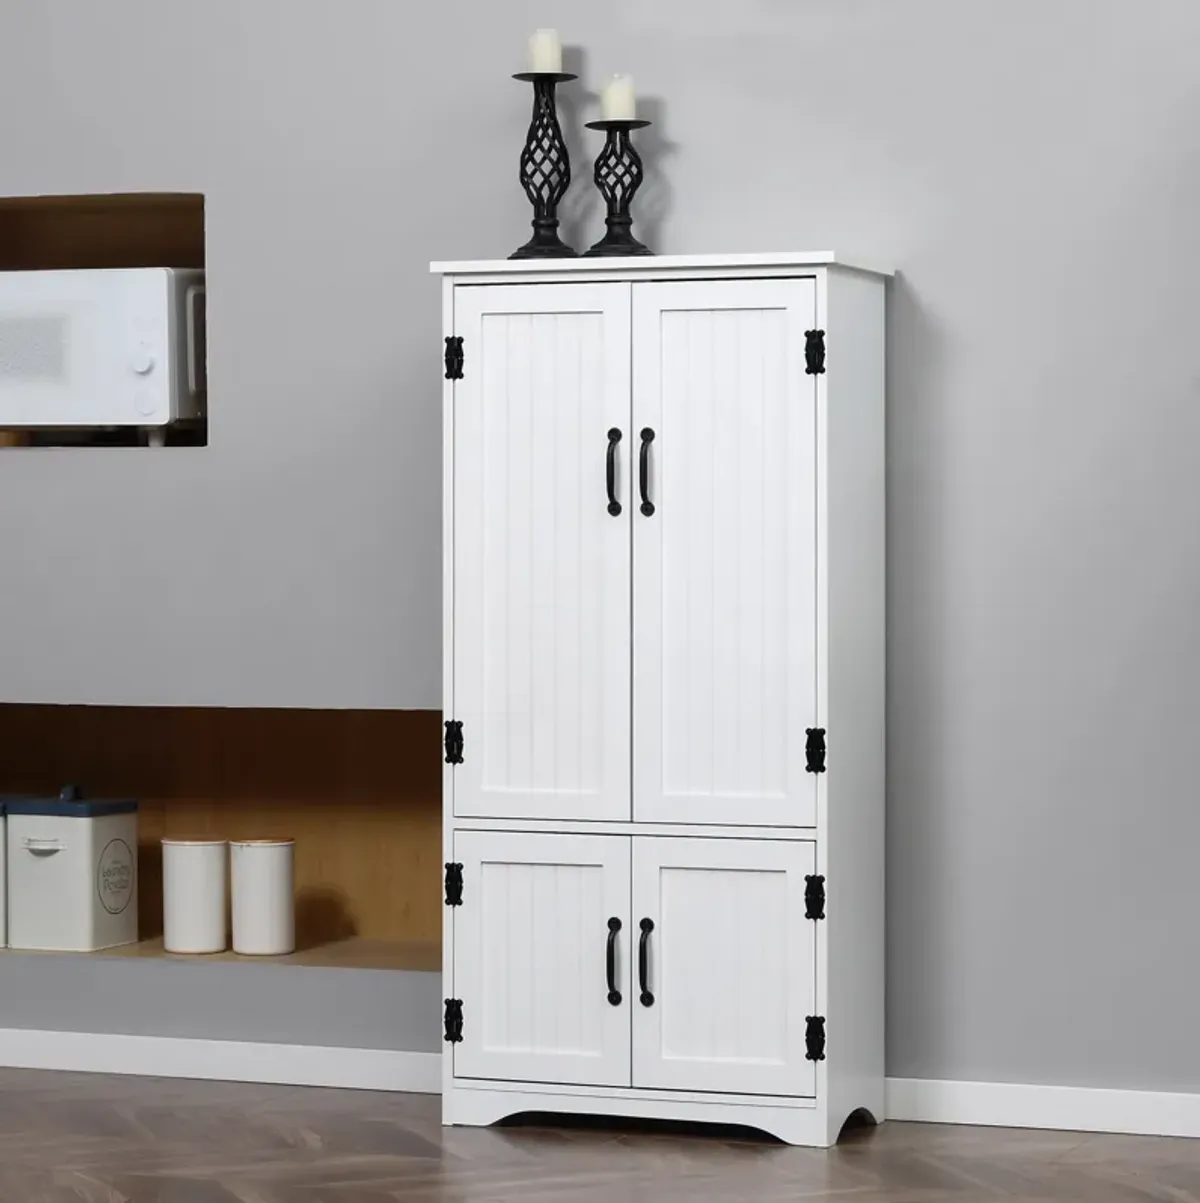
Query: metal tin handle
x: 37, y: 846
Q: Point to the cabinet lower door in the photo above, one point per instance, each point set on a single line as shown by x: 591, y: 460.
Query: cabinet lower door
x: 725, y: 552
x: 541, y: 596
x: 531, y: 957
x: 730, y: 966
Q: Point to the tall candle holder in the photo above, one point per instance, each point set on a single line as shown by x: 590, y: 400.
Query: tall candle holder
x: 618, y: 176
x: 545, y: 168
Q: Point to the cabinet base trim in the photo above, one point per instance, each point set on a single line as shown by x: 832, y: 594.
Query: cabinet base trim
x: 221, y: 1060
x: 794, y: 1125
x: 553, y: 1089
x: 1063, y: 1108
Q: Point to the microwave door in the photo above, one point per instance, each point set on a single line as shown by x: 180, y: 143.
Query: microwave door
x: 83, y: 348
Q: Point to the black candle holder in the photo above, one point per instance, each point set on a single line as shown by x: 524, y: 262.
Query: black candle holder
x: 545, y: 168
x: 618, y: 176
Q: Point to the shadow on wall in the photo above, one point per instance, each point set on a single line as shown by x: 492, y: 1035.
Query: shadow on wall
x: 322, y: 917
x: 581, y: 210
x: 653, y: 205
x: 918, y: 825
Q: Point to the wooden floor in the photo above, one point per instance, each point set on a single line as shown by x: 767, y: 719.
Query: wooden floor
x: 75, y: 1137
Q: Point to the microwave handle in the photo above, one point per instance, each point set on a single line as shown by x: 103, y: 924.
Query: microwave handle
x: 194, y: 291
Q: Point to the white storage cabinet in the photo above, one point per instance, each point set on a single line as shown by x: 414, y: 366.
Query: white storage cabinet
x: 72, y: 873
x: 664, y: 690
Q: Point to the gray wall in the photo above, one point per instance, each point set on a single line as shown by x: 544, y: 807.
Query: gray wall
x: 1031, y: 166
x: 274, y: 1004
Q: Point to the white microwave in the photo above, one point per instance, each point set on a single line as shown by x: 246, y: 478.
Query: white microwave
x: 101, y: 348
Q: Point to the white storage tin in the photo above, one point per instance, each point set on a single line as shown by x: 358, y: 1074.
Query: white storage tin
x: 72, y: 873
x: 264, y: 910
x: 195, y: 886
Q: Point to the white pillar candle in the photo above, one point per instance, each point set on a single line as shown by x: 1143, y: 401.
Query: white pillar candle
x: 545, y: 51
x: 617, y: 102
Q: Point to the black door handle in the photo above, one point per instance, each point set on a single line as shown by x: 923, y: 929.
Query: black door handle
x: 647, y: 998
x: 644, y: 473
x: 614, y: 506
x: 614, y: 995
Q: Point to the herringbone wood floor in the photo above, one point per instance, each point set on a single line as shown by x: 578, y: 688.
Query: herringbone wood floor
x: 75, y: 1137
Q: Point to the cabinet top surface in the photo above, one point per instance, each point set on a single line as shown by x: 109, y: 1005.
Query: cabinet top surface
x: 655, y: 266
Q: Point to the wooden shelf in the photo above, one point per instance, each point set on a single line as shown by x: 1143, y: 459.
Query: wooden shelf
x: 354, y: 952
x: 46, y: 233
x: 359, y: 792
x: 138, y: 229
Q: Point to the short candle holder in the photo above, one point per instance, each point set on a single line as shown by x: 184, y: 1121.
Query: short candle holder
x: 619, y: 175
x: 545, y: 168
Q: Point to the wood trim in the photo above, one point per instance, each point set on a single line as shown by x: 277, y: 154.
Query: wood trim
x: 40, y: 233
x: 352, y: 952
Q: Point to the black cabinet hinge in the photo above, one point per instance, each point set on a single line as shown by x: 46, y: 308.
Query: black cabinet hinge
x: 814, y: 1038
x: 815, y: 750
x: 454, y: 743
x: 454, y: 884
x: 454, y: 1021
x: 814, y: 352
x: 814, y: 898
x: 454, y: 358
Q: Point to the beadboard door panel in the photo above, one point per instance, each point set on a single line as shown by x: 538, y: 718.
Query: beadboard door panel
x: 541, y: 566
x: 731, y: 966
x: 530, y: 958
x: 725, y: 589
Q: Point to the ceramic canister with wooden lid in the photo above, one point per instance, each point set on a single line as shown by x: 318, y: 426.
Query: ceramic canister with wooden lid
x: 195, y: 885
x: 264, y: 911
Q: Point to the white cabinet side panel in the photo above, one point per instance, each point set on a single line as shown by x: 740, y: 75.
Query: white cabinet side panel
x: 853, y: 683
x: 530, y: 946
x: 542, y: 591
x: 724, y: 569
x: 448, y: 291
x: 731, y: 961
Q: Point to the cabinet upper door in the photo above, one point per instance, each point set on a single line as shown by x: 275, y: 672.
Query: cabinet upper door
x: 725, y: 588
x: 730, y: 966
x: 533, y: 947
x: 541, y: 554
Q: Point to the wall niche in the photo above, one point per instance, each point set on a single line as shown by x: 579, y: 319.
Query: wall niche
x: 123, y: 230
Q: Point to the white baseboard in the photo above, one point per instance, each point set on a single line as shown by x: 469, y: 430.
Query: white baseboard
x: 1067, y: 1108
x: 222, y: 1060
x: 987, y: 1104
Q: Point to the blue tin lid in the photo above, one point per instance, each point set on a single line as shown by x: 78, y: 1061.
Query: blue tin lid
x: 70, y: 804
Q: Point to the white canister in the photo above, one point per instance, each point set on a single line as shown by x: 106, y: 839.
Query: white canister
x: 264, y: 912
x: 195, y: 883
